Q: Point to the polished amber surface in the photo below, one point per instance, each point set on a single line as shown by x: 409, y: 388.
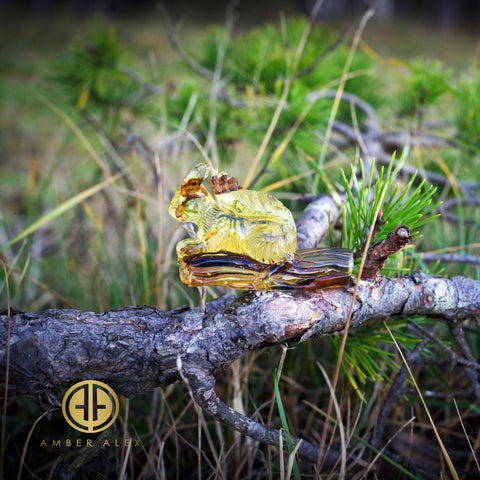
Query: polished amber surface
x: 234, y: 220
x: 247, y: 239
x: 310, y: 269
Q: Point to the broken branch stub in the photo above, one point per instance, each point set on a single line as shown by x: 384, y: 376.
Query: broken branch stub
x: 379, y: 253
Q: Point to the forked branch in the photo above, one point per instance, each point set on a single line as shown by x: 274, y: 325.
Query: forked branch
x: 136, y: 349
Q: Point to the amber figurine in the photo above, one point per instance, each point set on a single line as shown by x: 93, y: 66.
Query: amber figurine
x: 247, y: 239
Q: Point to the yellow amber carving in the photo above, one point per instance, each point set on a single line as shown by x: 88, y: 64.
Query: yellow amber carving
x: 239, y: 221
x: 247, y: 239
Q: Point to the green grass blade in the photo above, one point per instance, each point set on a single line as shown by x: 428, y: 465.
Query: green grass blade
x: 62, y: 208
x: 283, y: 419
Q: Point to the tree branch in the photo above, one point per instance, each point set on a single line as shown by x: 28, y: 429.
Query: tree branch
x: 378, y: 254
x: 208, y: 400
x: 175, y: 43
x: 451, y: 258
x: 316, y: 220
x: 135, y: 349
x: 378, y: 144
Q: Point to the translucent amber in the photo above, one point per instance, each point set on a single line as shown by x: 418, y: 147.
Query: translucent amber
x: 247, y: 239
x: 239, y: 221
x: 310, y: 269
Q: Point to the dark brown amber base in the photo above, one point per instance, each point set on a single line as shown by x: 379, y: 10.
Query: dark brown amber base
x: 310, y: 269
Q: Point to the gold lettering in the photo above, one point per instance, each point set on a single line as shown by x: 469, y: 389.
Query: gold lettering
x: 68, y: 443
x: 116, y: 443
x: 56, y: 443
x: 89, y: 442
x: 127, y: 442
x: 137, y: 442
x: 43, y: 443
x: 79, y: 442
x: 106, y: 443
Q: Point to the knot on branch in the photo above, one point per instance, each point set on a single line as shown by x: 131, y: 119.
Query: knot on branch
x: 379, y: 252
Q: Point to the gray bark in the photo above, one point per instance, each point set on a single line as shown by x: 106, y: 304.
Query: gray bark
x: 136, y: 349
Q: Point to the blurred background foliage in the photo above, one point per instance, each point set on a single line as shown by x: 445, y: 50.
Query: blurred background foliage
x: 83, y: 100
x: 111, y: 107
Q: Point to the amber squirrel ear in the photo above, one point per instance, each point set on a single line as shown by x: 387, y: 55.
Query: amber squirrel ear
x: 193, y: 188
x: 224, y: 184
x: 190, y: 189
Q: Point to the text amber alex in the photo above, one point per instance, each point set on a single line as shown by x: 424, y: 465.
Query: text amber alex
x: 80, y: 442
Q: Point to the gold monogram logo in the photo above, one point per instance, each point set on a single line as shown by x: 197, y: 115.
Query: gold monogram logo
x: 90, y: 406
